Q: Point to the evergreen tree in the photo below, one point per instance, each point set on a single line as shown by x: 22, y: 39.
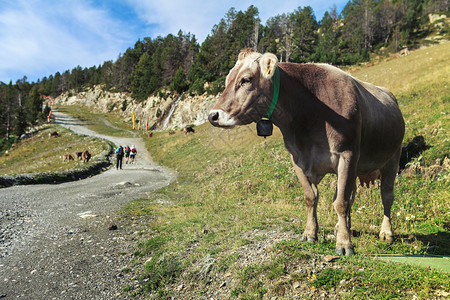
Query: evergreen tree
x: 106, y: 74
x: 353, y: 44
x: 273, y: 36
x: 7, y: 108
x: 3, y: 109
x: 212, y: 59
x: 171, y: 58
x: 33, y: 107
x: 267, y: 38
x: 329, y: 36
x: 179, y: 82
x: 156, y: 69
x: 123, y: 68
x: 304, y: 34
x: 141, y: 77
x: 20, y: 121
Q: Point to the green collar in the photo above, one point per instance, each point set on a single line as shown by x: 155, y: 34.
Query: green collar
x: 276, y: 92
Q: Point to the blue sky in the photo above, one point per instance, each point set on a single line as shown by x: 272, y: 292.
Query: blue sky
x: 41, y: 37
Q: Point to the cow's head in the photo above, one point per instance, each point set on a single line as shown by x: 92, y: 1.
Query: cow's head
x: 248, y: 90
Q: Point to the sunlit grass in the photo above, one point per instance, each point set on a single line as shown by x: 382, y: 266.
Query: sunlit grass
x: 104, y: 123
x: 40, y: 153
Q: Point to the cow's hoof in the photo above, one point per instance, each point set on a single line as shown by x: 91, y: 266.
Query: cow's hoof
x: 308, y: 239
x: 384, y: 236
x: 347, y: 251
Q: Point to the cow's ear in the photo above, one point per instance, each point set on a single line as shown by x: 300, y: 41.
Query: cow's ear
x: 268, y: 63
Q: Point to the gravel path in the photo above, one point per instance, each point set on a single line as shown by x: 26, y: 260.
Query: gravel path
x: 55, y: 240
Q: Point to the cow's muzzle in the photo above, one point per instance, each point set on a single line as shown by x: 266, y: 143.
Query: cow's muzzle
x: 219, y: 118
x: 213, y: 118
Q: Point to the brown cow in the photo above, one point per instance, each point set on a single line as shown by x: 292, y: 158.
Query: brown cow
x: 67, y: 157
x: 53, y: 133
x: 403, y: 52
x: 79, y: 155
x: 188, y: 129
x: 331, y: 123
x: 86, y: 156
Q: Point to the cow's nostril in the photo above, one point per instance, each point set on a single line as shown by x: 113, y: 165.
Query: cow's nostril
x: 213, y: 117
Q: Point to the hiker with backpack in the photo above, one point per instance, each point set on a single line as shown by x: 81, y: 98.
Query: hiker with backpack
x: 127, y: 153
x: 119, y: 156
x: 133, y: 153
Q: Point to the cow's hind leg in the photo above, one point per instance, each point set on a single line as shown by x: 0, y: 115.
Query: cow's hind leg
x: 311, y: 199
x: 346, y: 187
x: 388, y: 174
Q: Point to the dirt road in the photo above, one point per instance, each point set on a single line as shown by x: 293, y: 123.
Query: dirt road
x: 55, y: 241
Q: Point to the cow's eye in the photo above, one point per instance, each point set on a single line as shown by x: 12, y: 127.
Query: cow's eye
x: 245, y: 80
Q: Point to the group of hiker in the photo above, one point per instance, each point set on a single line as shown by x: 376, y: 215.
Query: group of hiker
x: 129, y: 153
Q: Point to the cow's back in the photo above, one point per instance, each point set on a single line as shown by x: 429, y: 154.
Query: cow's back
x: 369, y: 110
x: 382, y: 124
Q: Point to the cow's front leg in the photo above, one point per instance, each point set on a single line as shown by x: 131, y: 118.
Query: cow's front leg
x: 346, y: 187
x: 349, y: 207
x: 311, y: 199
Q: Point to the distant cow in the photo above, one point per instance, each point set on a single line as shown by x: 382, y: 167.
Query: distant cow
x: 86, y: 156
x: 53, y: 133
x: 188, y: 129
x: 79, y: 155
x: 403, y: 52
x: 331, y: 123
x: 67, y: 157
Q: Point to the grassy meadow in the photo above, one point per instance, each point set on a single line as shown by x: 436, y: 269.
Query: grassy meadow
x: 107, y: 124
x: 40, y: 153
x: 236, y: 211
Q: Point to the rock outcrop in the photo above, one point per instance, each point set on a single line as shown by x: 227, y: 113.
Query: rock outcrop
x: 188, y: 111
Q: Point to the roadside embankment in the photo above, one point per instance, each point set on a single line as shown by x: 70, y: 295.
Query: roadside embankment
x: 98, y: 164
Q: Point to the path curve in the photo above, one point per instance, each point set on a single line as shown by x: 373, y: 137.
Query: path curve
x: 55, y: 241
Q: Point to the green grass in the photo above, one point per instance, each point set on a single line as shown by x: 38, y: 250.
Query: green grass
x: 234, y: 195
x: 106, y: 123
x: 40, y: 153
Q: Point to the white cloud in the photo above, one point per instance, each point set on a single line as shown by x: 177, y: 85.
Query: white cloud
x: 50, y: 36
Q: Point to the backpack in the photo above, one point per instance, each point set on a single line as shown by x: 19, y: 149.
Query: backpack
x: 133, y: 150
x: 119, y: 151
x: 127, y: 149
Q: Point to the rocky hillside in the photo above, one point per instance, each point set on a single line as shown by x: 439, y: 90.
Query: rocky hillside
x: 171, y: 112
